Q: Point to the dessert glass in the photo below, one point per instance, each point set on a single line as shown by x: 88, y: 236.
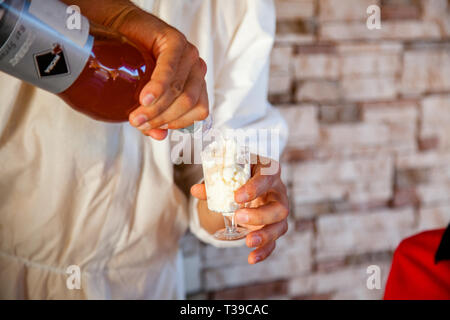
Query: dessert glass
x: 226, y: 167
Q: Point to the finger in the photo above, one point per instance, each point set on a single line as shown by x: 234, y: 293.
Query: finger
x: 153, y: 107
x: 281, y: 192
x: 267, y: 234
x: 189, y: 59
x: 186, y: 101
x: 272, y: 212
x: 157, y: 134
x: 168, y: 51
x: 256, y: 186
x: 261, y: 253
x: 200, y: 112
x: 199, y: 191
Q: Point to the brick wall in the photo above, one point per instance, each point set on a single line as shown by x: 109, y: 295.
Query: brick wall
x: 368, y: 157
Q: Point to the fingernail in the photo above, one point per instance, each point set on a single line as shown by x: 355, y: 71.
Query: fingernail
x: 148, y: 99
x: 242, y: 217
x: 164, y: 126
x: 257, y: 259
x: 255, y: 240
x: 145, y: 126
x: 139, y: 120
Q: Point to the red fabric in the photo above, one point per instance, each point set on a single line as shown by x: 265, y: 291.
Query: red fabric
x: 414, y: 275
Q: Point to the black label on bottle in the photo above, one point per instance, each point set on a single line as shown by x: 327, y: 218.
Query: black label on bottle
x: 52, y: 62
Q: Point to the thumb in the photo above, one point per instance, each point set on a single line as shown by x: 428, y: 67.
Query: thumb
x: 199, y: 191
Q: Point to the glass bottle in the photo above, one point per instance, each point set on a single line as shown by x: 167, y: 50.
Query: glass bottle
x: 96, y: 71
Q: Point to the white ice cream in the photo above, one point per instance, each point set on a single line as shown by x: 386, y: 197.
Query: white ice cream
x: 225, y: 170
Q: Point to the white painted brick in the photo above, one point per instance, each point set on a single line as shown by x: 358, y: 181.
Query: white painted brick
x: 436, y: 217
x: 344, y: 10
x: 438, y: 11
x: 369, y: 192
x: 344, y: 191
x: 412, y: 29
x: 355, y: 180
x: 358, y: 294
x: 434, y: 8
x: 396, y: 112
x: 344, y: 113
x: 308, y: 211
x: 379, y: 47
x: 436, y: 110
x: 345, y: 280
x: 294, y: 9
x: 294, y: 38
x: 279, y: 83
x: 353, y: 161
x: 319, y: 192
x: 400, y: 119
x: 439, y: 174
x: 364, y: 151
x: 425, y: 71
x: 294, y: 258
x: 321, y: 91
x: 435, y: 119
x: 341, y: 135
x: 302, y: 123
x: 442, y: 133
x: 366, y: 137
x: 213, y: 257
x: 397, y: 30
x: 323, y: 66
x: 280, y: 70
x: 286, y: 173
x: 370, y: 64
x: 369, y: 88
x: 280, y: 59
x: 422, y: 160
x: 345, y: 170
x: 355, y: 233
x: 434, y: 193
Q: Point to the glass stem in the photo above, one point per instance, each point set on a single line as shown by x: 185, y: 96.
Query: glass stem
x: 230, y: 223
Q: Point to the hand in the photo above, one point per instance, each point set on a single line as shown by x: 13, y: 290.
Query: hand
x: 266, y: 212
x: 176, y: 95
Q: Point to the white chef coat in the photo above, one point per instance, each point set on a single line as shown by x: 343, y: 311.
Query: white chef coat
x: 101, y: 196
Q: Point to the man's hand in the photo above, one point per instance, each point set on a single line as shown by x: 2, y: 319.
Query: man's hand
x: 266, y: 213
x: 176, y: 95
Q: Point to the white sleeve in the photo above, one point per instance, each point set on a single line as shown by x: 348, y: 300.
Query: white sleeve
x: 240, y: 92
x: 241, y: 83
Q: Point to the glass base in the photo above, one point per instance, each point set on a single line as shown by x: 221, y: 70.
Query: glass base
x: 229, y: 235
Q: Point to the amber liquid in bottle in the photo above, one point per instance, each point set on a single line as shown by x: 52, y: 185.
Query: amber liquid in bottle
x: 108, y: 88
